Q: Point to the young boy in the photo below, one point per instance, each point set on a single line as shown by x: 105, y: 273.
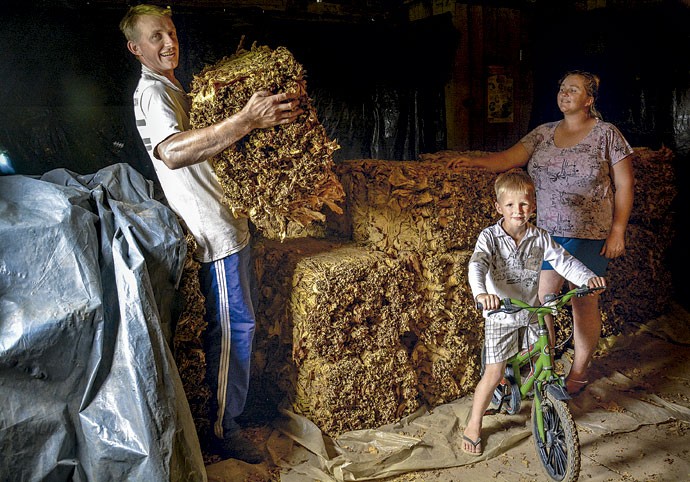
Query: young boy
x: 506, y: 263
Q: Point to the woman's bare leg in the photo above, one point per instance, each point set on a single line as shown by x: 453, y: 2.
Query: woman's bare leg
x: 586, y: 334
x: 550, y: 282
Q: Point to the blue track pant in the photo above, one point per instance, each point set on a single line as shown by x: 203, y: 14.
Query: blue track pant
x: 227, y: 285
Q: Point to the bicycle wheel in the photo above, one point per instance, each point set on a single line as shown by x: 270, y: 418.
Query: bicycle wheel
x: 509, y: 393
x: 559, y: 451
x: 506, y: 395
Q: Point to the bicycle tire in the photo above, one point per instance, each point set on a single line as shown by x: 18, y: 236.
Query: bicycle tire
x: 511, y: 401
x: 559, y: 454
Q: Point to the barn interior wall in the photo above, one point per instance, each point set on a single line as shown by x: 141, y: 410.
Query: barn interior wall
x: 390, y: 85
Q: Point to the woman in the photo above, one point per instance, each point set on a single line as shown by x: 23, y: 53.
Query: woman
x: 582, y: 169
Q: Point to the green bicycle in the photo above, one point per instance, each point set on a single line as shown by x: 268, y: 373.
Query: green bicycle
x: 553, y: 427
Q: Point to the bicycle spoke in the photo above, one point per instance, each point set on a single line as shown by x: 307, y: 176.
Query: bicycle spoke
x: 555, y: 447
x: 559, y: 459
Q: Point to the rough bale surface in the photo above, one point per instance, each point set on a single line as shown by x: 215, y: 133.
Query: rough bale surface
x: 353, y: 312
x: 188, y: 342
x: 418, y: 206
x: 655, y: 186
x: 641, y: 284
x: 356, y: 335
x: 326, y: 313
x: 361, y: 391
x: 351, y: 300
x: 274, y: 373
x: 451, y: 332
x: 276, y: 176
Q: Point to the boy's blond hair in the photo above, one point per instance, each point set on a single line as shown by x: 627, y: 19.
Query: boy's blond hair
x: 128, y: 25
x: 515, y: 180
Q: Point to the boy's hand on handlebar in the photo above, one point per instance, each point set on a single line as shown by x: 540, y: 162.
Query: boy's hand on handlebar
x: 488, y: 302
x: 596, y: 282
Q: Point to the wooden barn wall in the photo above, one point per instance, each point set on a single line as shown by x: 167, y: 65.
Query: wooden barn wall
x: 403, y: 82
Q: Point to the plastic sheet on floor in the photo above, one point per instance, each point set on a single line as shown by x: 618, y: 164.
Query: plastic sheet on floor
x: 88, y: 386
x: 423, y: 440
x: 614, y: 402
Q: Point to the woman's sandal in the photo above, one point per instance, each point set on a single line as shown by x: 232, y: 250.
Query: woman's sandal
x: 581, y: 385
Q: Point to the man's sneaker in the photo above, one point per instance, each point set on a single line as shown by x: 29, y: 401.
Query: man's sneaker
x: 236, y: 446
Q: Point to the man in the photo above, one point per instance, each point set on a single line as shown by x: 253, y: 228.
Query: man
x: 180, y: 157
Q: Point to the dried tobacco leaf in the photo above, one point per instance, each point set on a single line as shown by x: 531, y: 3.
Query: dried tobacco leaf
x: 188, y: 341
x: 273, y: 176
x: 419, y: 206
x: 357, y: 392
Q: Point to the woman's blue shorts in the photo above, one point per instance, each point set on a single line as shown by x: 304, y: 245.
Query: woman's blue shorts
x: 586, y: 250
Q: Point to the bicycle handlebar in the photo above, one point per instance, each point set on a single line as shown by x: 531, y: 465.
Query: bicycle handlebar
x: 512, y: 305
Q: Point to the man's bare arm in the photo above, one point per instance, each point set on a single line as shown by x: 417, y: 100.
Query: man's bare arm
x: 196, y: 145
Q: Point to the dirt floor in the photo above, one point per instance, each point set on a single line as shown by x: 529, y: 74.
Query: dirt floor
x: 633, y: 421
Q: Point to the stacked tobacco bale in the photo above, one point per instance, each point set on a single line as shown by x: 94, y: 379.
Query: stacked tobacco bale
x: 423, y: 208
x: 641, y: 285
x: 278, y: 177
x: 358, y: 335
x: 188, y: 342
x: 273, y: 372
x: 337, y: 321
x: 419, y: 206
x: 450, y: 332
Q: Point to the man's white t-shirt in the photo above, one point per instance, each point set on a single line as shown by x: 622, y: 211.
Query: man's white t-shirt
x: 161, y: 109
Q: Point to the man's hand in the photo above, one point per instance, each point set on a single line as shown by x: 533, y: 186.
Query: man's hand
x: 267, y: 110
x: 196, y: 145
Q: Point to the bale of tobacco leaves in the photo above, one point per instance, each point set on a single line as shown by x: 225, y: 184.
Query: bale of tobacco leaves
x: 274, y: 372
x: 367, y: 390
x: 354, y: 315
x: 328, y: 314
x: 278, y: 176
x: 351, y: 300
x: 655, y: 186
x: 417, y: 206
x: 355, y: 335
x: 447, y: 353
x: 188, y: 342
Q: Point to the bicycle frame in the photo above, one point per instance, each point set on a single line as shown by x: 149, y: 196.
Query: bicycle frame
x: 543, y: 367
x: 544, y: 364
x: 553, y: 427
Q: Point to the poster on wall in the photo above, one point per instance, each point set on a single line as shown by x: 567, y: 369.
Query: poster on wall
x: 500, y: 95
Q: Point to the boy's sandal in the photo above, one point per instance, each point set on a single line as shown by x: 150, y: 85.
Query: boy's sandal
x: 474, y: 444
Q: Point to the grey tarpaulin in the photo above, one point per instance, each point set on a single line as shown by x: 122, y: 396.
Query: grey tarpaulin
x: 89, y: 390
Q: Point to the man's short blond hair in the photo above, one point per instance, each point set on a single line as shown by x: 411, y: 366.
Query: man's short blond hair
x: 128, y: 24
x: 515, y: 180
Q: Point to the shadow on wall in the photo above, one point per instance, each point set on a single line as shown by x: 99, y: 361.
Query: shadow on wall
x: 67, y: 80
x: 63, y: 92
